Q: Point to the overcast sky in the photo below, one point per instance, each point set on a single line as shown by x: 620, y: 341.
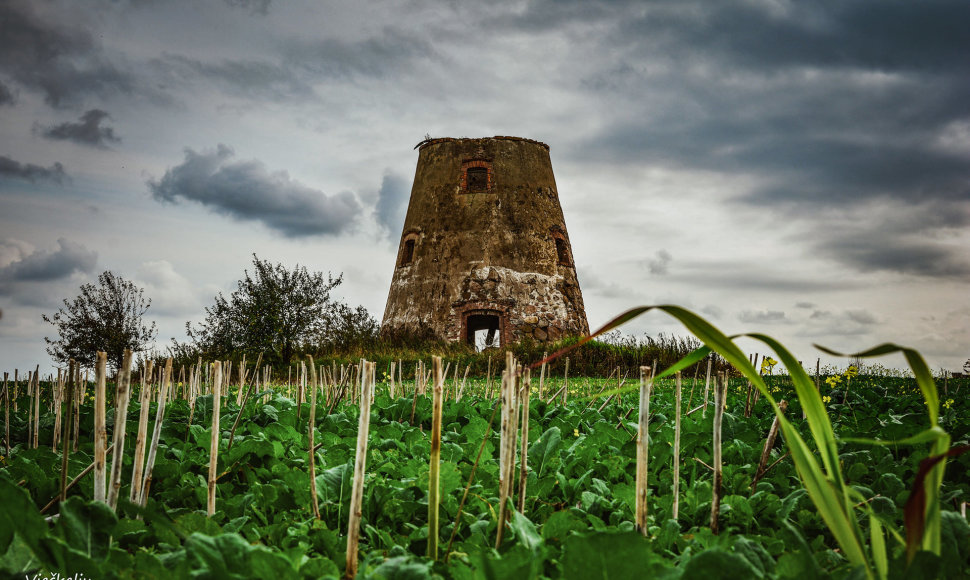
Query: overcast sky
x: 795, y: 168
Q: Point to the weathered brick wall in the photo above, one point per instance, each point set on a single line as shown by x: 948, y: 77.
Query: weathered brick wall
x: 491, y: 250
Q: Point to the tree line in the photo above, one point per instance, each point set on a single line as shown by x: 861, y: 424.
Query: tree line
x: 274, y: 311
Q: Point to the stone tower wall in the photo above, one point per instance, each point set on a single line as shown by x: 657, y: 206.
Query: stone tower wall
x: 485, y: 233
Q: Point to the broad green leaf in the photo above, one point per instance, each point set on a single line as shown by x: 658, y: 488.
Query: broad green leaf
x: 612, y: 556
x: 718, y: 564
x: 525, y: 531
x: 86, y: 526
x: 20, y: 515
x: 545, y: 450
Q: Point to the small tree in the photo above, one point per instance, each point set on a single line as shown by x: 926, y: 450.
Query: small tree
x: 348, y: 328
x: 273, y: 311
x: 106, y: 317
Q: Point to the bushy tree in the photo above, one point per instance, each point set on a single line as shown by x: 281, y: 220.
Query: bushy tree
x: 348, y: 328
x: 106, y: 317
x: 274, y: 311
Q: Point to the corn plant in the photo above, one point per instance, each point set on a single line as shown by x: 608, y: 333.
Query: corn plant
x: 836, y: 502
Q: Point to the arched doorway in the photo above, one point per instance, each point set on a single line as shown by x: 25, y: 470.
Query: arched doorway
x: 483, y: 329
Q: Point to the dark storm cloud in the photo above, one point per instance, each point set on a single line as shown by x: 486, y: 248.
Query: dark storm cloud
x: 44, y: 266
x: 249, y: 78
x: 833, y: 105
x: 877, y: 250
x: 392, y: 204
x: 763, y: 317
x: 301, y: 64
x: 734, y: 275
x: 29, y: 172
x: 63, y: 62
x: 6, y: 95
x: 88, y: 131
x: 891, y: 34
x: 260, y: 7
x: 845, y: 323
x: 387, y: 54
x: 660, y: 264
x: 246, y: 190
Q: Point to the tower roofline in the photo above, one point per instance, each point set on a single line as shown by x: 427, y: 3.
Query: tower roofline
x: 436, y: 140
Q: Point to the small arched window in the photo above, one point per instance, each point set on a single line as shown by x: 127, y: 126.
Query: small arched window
x: 476, y: 176
x: 407, y: 250
x: 477, y: 179
x: 562, y: 247
x: 562, y: 253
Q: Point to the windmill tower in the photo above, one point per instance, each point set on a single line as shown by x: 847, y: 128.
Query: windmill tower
x: 484, y: 255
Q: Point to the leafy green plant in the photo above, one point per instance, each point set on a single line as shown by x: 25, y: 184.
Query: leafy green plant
x: 835, y: 501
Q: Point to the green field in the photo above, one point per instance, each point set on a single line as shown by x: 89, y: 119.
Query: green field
x: 579, y: 506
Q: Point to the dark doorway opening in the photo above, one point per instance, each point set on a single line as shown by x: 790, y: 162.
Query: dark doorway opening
x: 483, y: 330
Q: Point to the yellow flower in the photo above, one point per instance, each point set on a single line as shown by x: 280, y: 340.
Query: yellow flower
x: 946, y: 405
x: 852, y: 371
x: 834, y: 381
x: 767, y: 364
x: 575, y: 432
x: 826, y: 399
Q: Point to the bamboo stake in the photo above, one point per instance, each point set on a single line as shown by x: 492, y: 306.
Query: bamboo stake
x: 488, y: 378
x: 524, y: 452
x: 557, y: 393
x: 79, y: 395
x: 694, y: 410
x: 757, y: 392
x: 391, y: 386
x: 360, y: 462
x: 707, y: 385
x: 313, y: 423
x: 30, y: 410
x: 643, y: 439
x: 100, y: 428
x: 157, y: 432
x: 461, y: 390
x: 242, y: 386
x: 434, y: 487
x: 676, y: 490
x: 693, y: 382
x: 37, y: 407
x: 454, y: 382
x: 118, y: 435
x: 214, y: 441
x: 414, y: 402
x: 748, y: 399
x: 16, y: 389
x: 565, y: 382
x: 605, y: 386
x: 444, y: 374
x: 144, y: 399
x: 769, y: 443
x: 6, y: 413
x: 56, y: 403
x: 300, y: 390
x: 720, y: 390
x: 194, y: 380
x: 67, y: 428
x: 507, y: 443
x: 542, y: 375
